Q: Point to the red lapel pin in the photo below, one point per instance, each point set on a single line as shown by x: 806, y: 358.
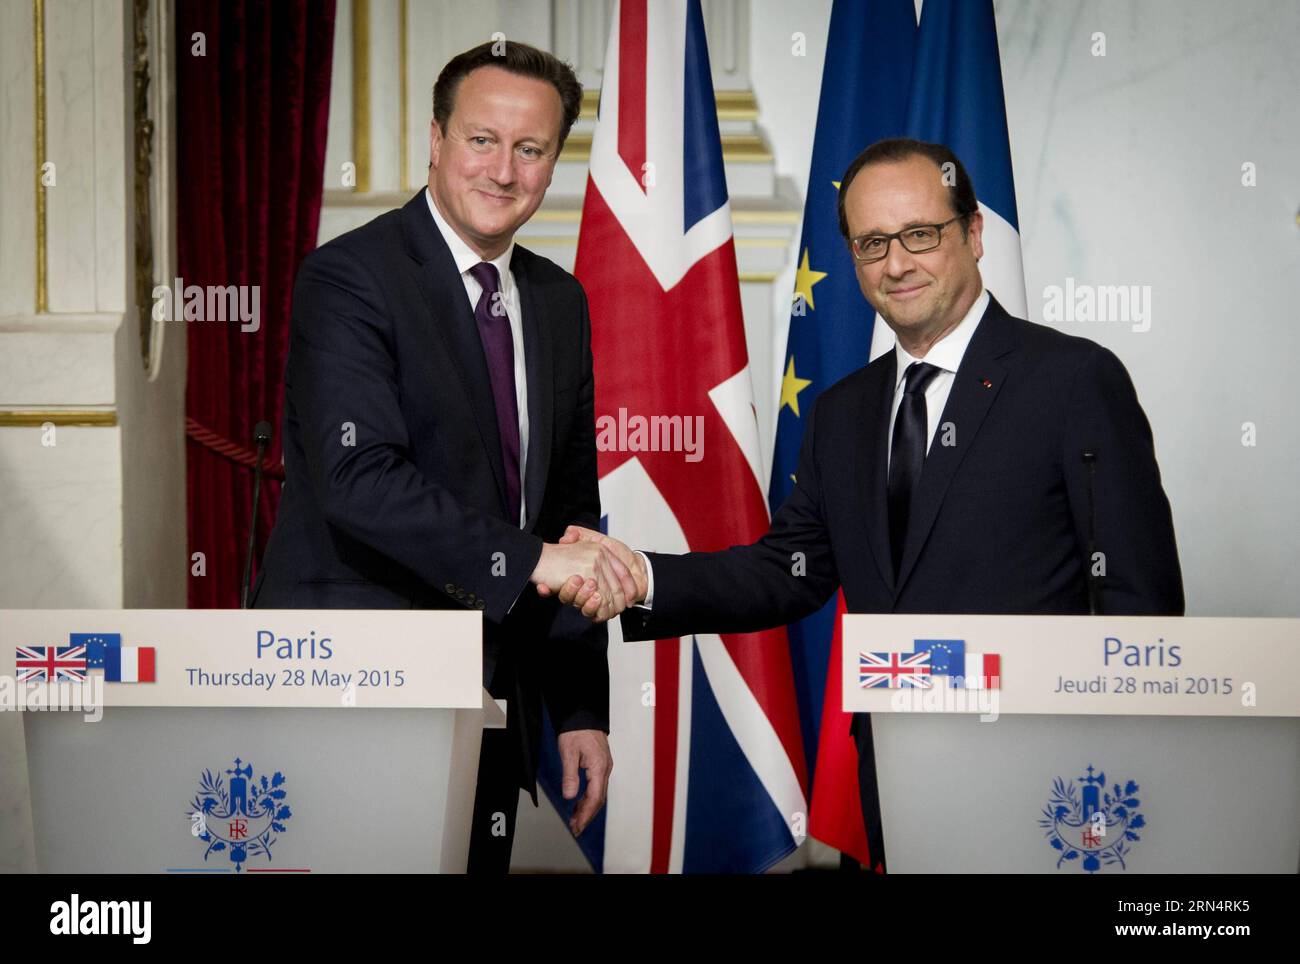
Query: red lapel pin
x: 986, y: 383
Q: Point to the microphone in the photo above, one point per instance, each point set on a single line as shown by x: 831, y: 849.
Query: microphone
x: 1094, y: 591
x: 262, y: 433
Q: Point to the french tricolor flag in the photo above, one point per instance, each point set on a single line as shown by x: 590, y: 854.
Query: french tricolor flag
x: 121, y: 664
x: 983, y: 671
x: 129, y: 664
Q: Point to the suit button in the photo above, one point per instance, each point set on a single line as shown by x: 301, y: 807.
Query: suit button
x: 480, y: 605
x: 449, y: 588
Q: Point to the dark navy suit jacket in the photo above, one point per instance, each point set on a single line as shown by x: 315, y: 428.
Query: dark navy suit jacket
x: 999, y: 522
x: 384, y: 346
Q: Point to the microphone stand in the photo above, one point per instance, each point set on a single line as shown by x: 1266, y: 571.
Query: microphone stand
x: 262, y: 432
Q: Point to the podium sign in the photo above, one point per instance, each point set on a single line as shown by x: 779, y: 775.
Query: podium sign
x: 1101, y: 744
x: 258, y: 741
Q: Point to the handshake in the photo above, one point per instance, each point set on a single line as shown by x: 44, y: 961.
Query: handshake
x: 591, y: 571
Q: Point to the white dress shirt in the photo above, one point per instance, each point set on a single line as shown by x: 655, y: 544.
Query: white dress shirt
x: 465, y: 258
x: 946, y: 354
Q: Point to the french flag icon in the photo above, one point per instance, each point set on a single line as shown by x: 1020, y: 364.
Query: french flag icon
x: 129, y: 664
x: 121, y: 664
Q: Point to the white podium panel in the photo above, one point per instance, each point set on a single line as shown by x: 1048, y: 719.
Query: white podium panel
x: 1214, y: 796
x: 1141, y: 767
x: 264, y: 741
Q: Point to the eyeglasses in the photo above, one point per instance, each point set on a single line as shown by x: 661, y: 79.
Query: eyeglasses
x: 919, y: 238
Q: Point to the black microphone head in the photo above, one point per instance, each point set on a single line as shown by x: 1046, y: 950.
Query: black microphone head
x: 262, y: 432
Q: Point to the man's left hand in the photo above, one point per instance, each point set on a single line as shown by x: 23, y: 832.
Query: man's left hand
x: 588, y: 750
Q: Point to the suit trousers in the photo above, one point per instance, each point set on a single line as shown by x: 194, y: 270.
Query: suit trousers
x: 496, y: 795
x: 496, y: 802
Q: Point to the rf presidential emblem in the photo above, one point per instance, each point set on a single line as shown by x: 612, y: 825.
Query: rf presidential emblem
x: 1092, y: 826
x: 241, y: 818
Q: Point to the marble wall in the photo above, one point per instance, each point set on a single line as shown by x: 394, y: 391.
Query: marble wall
x: 1129, y: 170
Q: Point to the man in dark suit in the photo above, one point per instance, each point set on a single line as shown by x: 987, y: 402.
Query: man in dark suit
x: 985, y: 465
x: 439, y: 434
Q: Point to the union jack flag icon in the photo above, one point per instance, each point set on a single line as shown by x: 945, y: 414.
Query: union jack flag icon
x: 44, y: 664
x: 894, y: 670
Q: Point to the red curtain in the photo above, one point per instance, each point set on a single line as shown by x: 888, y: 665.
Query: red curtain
x: 252, y: 83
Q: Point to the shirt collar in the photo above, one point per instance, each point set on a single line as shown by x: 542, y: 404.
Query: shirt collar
x: 947, y: 352
x: 465, y: 256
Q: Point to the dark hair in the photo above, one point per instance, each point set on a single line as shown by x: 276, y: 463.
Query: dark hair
x: 518, y: 58
x: 897, y: 149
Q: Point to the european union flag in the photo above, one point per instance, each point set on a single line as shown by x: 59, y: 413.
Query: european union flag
x: 864, y: 98
x: 96, y: 646
x: 947, y: 656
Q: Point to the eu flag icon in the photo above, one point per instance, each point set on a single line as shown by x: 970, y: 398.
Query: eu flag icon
x: 947, y: 656
x: 96, y: 644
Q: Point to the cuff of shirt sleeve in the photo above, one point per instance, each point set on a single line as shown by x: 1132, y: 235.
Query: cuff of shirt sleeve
x: 648, y: 602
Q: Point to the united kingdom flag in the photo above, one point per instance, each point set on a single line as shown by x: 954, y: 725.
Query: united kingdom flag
x: 46, y: 664
x: 709, y: 769
x: 895, y: 671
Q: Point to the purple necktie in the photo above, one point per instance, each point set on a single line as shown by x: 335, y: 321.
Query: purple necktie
x: 499, y: 350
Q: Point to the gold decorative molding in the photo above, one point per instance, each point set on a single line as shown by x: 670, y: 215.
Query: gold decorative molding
x: 782, y: 216
x: 142, y: 184
x: 745, y: 148
x: 78, y: 417
x: 361, y: 93
x: 733, y: 105
x: 38, y: 61
x: 736, y: 148
x: 739, y: 105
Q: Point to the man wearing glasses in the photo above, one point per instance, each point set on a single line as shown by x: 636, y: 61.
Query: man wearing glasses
x: 985, y: 465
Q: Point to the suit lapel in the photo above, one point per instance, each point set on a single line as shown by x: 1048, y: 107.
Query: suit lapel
x: 872, y: 458
x: 539, y: 366
x: 454, y: 326
x: 969, y: 402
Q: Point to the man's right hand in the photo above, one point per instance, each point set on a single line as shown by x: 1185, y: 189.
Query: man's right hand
x: 628, y: 567
x: 585, y: 575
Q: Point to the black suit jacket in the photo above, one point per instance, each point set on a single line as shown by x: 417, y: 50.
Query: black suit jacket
x: 999, y: 522
x: 384, y: 353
